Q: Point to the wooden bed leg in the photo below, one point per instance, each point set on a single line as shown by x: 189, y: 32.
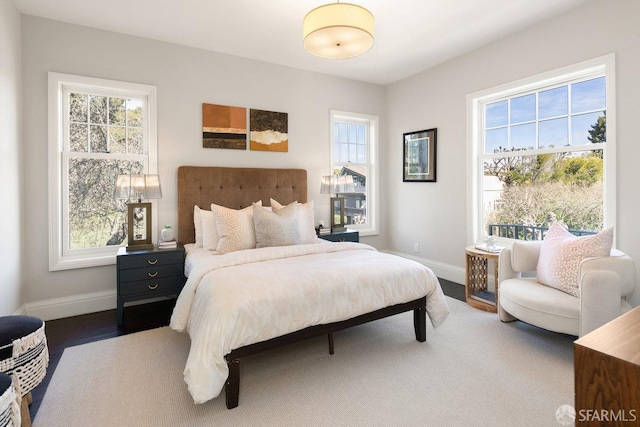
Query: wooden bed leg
x: 232, y: 386
x: 420, y: 323
x: 330, y: 342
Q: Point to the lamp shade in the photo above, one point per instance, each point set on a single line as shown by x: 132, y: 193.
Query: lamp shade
x: 138, y: 186
x: 336, y: 184
x: 338, y: 31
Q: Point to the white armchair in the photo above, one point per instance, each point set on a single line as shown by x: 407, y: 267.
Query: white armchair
x: 604, y: 283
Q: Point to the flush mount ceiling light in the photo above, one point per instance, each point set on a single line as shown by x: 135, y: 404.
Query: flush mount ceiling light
x: 338, y: 31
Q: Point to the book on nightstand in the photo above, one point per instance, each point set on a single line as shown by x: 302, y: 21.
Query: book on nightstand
x: 168, y: 244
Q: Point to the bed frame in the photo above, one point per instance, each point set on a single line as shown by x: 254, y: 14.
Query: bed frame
x: 238, y: 188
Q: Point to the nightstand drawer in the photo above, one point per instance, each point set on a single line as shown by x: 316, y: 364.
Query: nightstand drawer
x: 154, y: 272
x: 344, y: 236
x: 153, y: 259
x: 152, y: 287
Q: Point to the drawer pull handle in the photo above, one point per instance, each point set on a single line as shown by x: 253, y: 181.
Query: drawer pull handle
x: 152, y: 287
x: 152, y: 262
x: 152, y: 274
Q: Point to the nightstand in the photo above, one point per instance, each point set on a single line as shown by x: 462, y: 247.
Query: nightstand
x: 342, y: 236
x: 148, y: 273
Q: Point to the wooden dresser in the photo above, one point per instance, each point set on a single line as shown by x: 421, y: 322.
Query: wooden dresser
x: 607, y: 373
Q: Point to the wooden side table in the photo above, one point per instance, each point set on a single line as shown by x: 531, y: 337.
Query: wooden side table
x: 476, y: 287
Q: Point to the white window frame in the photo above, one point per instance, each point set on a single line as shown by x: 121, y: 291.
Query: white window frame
x: 60, y: 257
x: 371, y: 162
x: 602, y: 66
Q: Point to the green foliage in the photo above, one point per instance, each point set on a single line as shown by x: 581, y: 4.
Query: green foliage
x: 565, y: 186
x: 577, y: 206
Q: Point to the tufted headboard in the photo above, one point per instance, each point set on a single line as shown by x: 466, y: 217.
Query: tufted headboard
x: 234, y: 188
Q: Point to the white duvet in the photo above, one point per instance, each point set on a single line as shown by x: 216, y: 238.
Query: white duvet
x: 249, y: 296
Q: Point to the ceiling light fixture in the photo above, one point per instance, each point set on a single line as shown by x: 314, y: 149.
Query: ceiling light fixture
x: 338, y: 31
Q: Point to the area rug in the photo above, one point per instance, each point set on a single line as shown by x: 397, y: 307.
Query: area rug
x: 473, y: 371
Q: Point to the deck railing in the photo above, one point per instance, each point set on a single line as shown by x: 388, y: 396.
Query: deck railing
x: 527, y: 232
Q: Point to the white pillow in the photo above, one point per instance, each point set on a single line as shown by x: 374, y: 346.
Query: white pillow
x: 235, y: 228
x: 562, y: 252
x: 206, y: 232
x: 306, y: 220
x: 197, y: 224
x: 279, y: 228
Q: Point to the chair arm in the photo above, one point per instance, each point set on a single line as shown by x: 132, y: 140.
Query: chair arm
x: 518, y: 258
x: 599, y: 299
x: 603, y: 282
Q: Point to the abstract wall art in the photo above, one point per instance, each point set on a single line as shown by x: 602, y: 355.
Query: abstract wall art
x: 269, y: 131
x: 224, y: 127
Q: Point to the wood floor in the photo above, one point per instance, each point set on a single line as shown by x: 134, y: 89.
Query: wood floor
x: 72, y: 331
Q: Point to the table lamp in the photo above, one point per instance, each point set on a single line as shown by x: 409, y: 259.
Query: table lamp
x: 337, y: 184
x: 138, y: 187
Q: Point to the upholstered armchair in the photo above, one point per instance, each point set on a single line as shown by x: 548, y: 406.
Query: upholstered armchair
x: 603, y: 284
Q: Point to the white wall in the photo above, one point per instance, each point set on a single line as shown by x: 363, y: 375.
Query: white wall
x: 11, y: 214
x: 435, y: 214
x: 185, y: 78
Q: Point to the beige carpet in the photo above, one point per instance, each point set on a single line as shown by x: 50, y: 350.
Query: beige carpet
x: 472, y: 371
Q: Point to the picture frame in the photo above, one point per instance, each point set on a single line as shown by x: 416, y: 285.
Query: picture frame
x: 139, y: 226
x: 419, y: 156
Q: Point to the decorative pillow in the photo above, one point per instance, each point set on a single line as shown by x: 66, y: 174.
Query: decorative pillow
x: 278, y: 228
x: 235, y: 228
x: 562, y: 252
x: 197, y: 224
x: 306, y: 220
x: 206, y: 232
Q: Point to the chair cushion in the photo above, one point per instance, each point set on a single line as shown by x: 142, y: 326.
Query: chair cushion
x: 540, y: 305
x: 13, y: 328
x: 562, y: 252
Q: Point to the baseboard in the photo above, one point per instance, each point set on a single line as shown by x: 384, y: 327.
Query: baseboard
x: 445, y: 271
x: 21, y: 311
x: 75, y: 305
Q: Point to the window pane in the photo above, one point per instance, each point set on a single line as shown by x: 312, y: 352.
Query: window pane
x: 98, y: 109
x: 117, y: 140
x: 344, y: 137
x: 353, y: 131
x: 336, y: 132
x: 117, y: 111
x: 95, y: 218
x: 588, y: 96
x: 553, y: 103
x: 553, y: 133
x: 361, y: 135
x: 343, y: 156
x: 98, y: 139
x: 336, y: 152
x: 523, y: 109
x: 523, y: 136
x: 78, y: 137
x: 523, y: 194
x: 353, y: 153
x: 78, y: 107
x: 135, y: 141
x: 362, y: 158
x: 134, y: 113
x: 355, y: 204
x: 495, y: 140
x: 583, y: 124
x: 496, y: 114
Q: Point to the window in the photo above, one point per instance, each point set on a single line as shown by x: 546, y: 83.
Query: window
x: 543, y: 150
x: 354, y: 147
x: 97, y: 130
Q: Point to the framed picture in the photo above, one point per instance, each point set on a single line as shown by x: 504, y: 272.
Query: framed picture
x: 139, y: 227
x: 419, y: 156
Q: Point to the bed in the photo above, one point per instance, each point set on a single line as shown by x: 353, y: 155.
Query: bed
x: 247, y: 300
